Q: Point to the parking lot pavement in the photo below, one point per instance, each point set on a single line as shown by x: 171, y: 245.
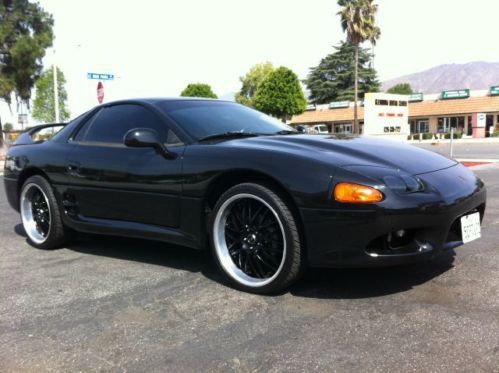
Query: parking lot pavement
x: 488, y: 151
x: 109, y: 304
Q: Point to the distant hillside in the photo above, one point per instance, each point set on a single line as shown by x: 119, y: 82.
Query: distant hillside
x: 473, y: 75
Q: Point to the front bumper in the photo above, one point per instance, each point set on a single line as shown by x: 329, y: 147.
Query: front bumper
x: 356, y: 236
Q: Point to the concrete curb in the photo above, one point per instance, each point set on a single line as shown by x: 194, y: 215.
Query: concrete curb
x: 488, y: 140
x: 490, y: 160
x: 485, y: 166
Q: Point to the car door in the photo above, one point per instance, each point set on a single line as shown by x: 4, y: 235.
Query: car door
x: 108, y: 180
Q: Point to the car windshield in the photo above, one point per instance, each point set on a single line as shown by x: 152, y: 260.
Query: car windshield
x: 201, y: 118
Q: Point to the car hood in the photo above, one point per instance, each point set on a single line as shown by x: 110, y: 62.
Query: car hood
x: 349, y: 151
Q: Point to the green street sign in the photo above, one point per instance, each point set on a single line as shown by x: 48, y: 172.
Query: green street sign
x: 339, y: 104
x: 494, y: 90
x: 416, y: 97
x: 457, y: 93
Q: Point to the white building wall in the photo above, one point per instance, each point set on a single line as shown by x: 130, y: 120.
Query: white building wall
x: 388, y: 120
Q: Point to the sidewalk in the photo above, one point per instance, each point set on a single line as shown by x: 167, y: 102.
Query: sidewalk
x: 1, y: 167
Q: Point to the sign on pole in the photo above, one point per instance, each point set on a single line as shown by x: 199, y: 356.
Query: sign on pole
x: 100, y: 92
x: 99, y: 76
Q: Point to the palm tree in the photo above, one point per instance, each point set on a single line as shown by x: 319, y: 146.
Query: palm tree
x: 358, y: 20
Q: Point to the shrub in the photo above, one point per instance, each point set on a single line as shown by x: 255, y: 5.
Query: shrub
x: 495, y: 133
x: 457, y: 135
x: 427, y: 136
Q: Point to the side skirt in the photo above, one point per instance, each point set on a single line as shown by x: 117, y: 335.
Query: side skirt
x: 131, y: 229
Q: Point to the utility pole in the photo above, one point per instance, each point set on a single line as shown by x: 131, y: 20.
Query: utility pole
x: 56, y: 91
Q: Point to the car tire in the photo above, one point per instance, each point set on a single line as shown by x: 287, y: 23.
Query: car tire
x: 40, y: 215
x: 255, y: 239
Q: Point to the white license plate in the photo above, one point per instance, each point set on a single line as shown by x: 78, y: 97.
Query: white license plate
x: 470, y: 227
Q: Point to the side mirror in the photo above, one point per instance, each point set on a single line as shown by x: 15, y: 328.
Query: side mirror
x: 146, y: 138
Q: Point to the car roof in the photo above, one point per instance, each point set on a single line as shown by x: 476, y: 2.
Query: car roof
x: 155, y: 100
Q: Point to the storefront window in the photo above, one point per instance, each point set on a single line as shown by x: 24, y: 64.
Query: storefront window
x: 342, y: 128
x: 446, y: 123
x: 423, y: 126
x: 420, y: 125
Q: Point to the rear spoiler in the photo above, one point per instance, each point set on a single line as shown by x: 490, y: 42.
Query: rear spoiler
x: 30, y: 135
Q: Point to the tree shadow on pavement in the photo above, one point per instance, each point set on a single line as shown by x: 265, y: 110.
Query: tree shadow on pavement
x: 317, y: 283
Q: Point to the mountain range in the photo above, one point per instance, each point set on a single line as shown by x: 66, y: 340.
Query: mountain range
x: 473, y: 75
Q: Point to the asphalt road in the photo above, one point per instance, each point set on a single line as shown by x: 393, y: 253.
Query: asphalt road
x: 108, y: 304
x: 465, y: 150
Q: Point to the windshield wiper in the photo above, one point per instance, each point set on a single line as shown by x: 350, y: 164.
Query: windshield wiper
x: 229, y: 135
x: 286, y: 132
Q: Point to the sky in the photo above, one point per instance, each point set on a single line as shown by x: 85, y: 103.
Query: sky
x: 157, y: 47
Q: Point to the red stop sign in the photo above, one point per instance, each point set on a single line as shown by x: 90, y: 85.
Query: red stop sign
x: 100, y: 92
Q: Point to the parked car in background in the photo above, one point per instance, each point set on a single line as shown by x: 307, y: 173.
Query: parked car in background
x: 38, y: 134
x: 266, y: 199
x: 320, y: 129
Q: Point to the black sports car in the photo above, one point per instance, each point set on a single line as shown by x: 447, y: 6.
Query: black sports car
x: 267, y: 199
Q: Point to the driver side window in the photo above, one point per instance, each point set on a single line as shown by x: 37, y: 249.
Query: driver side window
x: 110, y: 125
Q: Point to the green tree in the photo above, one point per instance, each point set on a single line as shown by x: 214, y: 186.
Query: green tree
x: 8, y: 126
x: 43, y: 106
x: 280, y: 94
x: 401, y: 89
x: 251, y: 81
x: 358, y: 20
x: 334, y: 78
x: 198, y: 90
x: 25, y: 33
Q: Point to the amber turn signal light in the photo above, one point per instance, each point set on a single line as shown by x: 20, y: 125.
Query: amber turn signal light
x: 356, y: 193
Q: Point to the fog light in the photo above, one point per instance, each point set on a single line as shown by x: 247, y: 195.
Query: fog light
x: 400, y: 233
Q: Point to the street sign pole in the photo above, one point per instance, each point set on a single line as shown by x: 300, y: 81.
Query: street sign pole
x: 451, y: 141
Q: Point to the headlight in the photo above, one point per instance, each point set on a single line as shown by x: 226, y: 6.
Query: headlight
x: 356, y: 193
x: 403, y: 183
